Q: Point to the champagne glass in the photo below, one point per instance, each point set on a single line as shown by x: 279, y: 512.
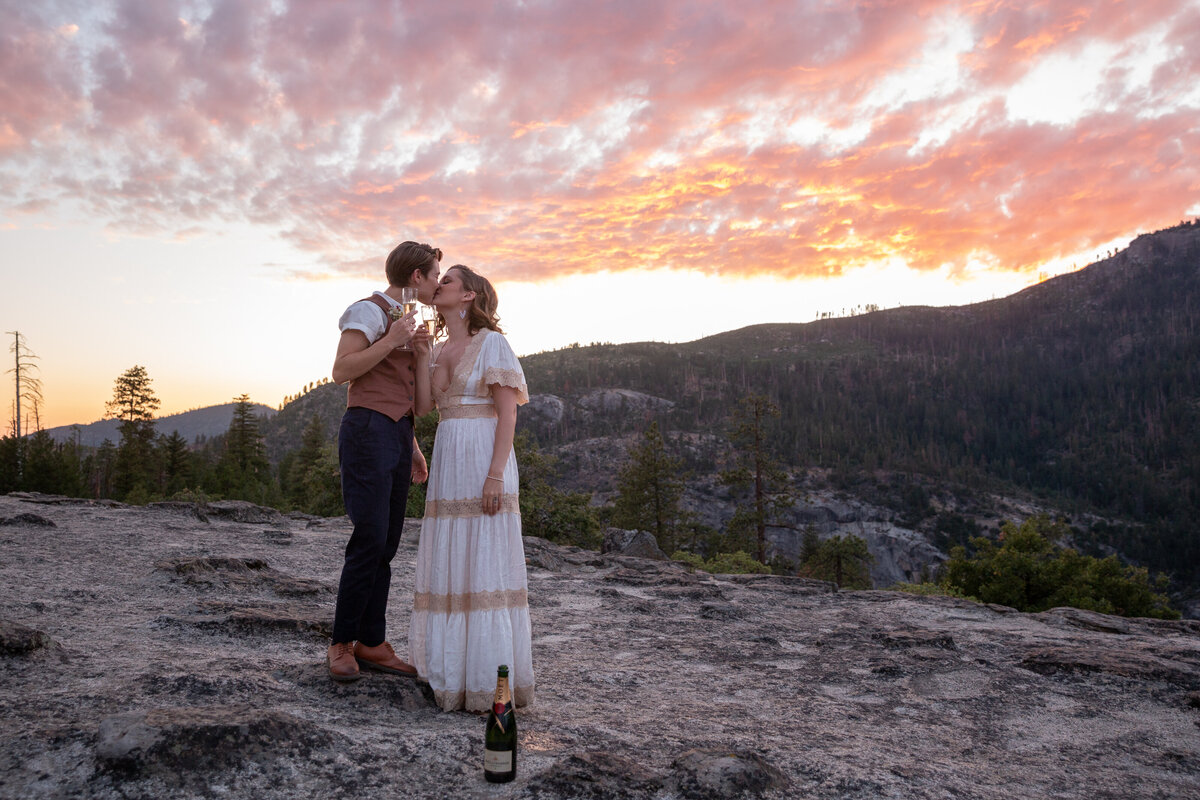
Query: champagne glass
x: 408, y: 303
x: 429, y: 319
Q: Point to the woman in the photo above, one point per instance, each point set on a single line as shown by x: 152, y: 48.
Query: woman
x: 470, y: 602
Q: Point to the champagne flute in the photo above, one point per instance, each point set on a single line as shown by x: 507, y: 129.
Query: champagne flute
x: 408, y: 302
x: 429, y: 318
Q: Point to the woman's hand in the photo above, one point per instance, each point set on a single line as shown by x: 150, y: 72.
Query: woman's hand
x: 492, y: 490
x: 422, y: 342
x: 420, y: 468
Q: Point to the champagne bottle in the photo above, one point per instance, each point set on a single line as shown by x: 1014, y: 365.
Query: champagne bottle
x: 500, y: 739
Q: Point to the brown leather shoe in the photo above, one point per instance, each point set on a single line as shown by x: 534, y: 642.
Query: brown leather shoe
x: 383, y: 658
x: 342, y: 666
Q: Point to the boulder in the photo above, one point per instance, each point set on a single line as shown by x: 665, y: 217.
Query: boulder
x: 597, y: 775
x: 639, y: 544
x: 18, y: 640
x: 177, y: 743
x: 242, y: 511
x: 719, y: 774
x: 28, y: 519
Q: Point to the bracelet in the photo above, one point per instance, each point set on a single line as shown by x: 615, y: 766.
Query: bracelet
x: 493, y: 477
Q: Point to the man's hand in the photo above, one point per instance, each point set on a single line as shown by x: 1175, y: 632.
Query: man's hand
x: 401, y: 330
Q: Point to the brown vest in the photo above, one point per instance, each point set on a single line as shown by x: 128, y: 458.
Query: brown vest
x: 388, y: 386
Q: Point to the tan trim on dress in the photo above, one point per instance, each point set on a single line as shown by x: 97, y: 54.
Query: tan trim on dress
x: 469, y: 507
x: 511, y: 378
x: 470, y: 601
x: 468, y: 411
x: 480, y: 701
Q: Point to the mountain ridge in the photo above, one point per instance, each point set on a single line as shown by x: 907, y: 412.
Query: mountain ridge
x: 206, y: 422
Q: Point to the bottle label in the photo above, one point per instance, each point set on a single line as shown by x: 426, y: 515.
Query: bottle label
x: 498, y: 760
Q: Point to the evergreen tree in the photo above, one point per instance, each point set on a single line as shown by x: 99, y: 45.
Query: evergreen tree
x: 308, y: 486
x: 649, y: 489
x: 135, y: 472
x: 1030, y: 572
x: 99, y: 469
x: 8, y: 464
x: 49, y: 467
x: 843, y: 560
x: 757, y: 477
x: 563, y: 517
x: 243, y: 470
x: 176, y: 463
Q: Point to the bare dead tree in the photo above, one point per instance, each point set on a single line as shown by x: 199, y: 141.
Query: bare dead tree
x: 28, y: 388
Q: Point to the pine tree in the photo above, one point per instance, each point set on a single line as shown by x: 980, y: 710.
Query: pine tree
x: 312, y: 448
x: 548, y: 512
x: 176, y: 461
x: 756, y: 475
x: 649, y: 489
x: 134, y: 404
x: 243, y: 469
x: 843, y: 560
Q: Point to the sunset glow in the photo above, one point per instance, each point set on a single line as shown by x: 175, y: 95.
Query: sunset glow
x: 202, y: 187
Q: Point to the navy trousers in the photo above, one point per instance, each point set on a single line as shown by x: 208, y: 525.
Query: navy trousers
x: 376, y: 462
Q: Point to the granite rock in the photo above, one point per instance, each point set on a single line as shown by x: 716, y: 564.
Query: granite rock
x: 654, y: 681
x: 640, y: 544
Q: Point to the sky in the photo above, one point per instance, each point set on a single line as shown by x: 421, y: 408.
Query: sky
x: 201, y: 188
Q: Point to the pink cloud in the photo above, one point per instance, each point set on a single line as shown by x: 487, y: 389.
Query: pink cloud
x: 39, y: 79
x: 570, y: 137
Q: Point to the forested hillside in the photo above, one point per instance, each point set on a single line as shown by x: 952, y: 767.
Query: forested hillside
x: 1084, y: 390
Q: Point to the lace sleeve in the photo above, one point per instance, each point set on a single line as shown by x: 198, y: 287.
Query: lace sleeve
x: 501, y: 368
x: 514, y: 378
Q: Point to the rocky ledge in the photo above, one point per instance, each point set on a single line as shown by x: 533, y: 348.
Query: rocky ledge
x: 176, y: 651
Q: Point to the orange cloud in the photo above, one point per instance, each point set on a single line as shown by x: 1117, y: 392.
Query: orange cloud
x: 764, y: 137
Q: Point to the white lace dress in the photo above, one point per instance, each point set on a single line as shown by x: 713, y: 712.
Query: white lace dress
x: 470, y: 594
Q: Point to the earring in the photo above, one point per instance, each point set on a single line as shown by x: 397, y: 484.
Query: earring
x: 462, y: 314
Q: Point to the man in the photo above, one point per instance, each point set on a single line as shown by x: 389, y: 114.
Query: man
x: 379, y: 458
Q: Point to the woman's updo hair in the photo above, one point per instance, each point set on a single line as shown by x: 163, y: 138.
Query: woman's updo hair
x: 482, y: 313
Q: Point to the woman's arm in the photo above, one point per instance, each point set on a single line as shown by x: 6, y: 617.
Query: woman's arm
x: 505, y: 398
x: 422, y: 389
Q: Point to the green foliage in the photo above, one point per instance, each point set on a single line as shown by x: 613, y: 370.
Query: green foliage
x: 425, y: 431
x: 177, y: 473
x: 845, y: 561
x: 243, y: 471
x: 135, y: 468
x: 49, y: 467
x: 322, y: 485
x: 761, y: 485
x: 649, y: 488
x: 562, y: 517
x: 9, y: 470
x: 1081, y: 389
x: 929, y: 589
x: 1028, y: 571
x: 736, y: 563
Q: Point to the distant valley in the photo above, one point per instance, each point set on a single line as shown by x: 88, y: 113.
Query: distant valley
x: 916, y: 426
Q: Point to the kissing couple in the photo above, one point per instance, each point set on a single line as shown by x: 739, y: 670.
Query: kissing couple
x: 470, y: 606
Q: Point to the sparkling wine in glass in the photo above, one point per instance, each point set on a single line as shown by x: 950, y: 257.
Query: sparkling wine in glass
x: 408, y: 302
x: 429, y: 318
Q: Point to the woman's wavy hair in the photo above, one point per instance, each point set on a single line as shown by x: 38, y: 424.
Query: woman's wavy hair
x: 482, y: 313
x: 408, y: 257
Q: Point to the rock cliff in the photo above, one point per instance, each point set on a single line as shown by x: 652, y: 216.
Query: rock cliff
x: 175, y: 651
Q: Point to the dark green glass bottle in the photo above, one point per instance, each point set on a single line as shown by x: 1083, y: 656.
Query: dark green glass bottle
x: 500, y: 740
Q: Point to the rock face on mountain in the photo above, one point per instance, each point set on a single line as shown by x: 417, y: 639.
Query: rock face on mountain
x: 900, y: 554
x: 145, y: 652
